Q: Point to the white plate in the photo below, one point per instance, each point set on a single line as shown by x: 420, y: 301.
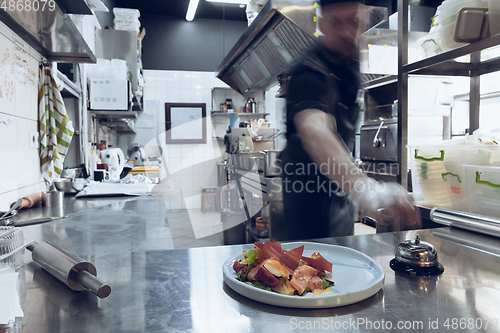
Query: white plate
x: 357, y: 277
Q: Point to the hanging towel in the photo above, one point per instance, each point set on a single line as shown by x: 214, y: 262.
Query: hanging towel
x: 56, y: 130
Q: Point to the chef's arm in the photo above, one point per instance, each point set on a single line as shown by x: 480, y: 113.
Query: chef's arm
x: 317, y: 131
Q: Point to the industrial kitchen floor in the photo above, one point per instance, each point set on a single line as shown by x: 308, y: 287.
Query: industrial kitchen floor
x: 196, y: 229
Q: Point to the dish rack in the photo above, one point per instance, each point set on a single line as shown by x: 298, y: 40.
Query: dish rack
x: 12, y: 247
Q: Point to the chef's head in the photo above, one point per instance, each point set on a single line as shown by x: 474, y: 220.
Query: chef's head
x: 340, y: 22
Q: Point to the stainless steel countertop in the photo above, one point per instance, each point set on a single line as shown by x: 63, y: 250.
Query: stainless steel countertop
x: 155, y: 289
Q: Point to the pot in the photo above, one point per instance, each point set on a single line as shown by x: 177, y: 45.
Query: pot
x: 259, y: 163
x: 245, y: 160
x: 272, y: 163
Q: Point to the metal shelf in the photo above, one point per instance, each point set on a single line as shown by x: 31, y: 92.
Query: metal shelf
x: 445, y: 64
x: 250, y: 115
x: 111, y: 114
x: 118, y: 125
x: 379, y: 81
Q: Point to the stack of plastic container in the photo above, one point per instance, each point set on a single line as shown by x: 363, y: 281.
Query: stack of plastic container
x: 447, y: 14
x: 126, y: 19
x: 440, y: 175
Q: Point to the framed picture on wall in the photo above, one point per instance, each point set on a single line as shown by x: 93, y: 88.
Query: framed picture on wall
x: 186, y: 123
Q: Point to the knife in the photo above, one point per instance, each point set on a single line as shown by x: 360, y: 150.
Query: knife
x: 35, y: 221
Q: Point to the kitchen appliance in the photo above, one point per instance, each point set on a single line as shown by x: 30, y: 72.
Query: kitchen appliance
x: 416, y: 257
x: 245, y: 143
x: 136, y: 154
x: 109, y: 94
x: 115, y: 160
x: 51, y: 32
x: 276, y: 41
x: 378, y: 144
x: 379, y: 141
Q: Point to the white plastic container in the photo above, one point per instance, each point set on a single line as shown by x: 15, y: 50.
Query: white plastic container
x: 447, y: 33
x: 494, y: 9
x: 437, y: 176
x: 127, y: 25
x: 447, y: 19
x: 126, y: 13
x: 483, y: 183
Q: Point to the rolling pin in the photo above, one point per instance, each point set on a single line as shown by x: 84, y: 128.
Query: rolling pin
x: 30, y: 201
x: 73, y: 271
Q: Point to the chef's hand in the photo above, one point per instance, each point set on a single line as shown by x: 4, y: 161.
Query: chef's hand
x: 387, y: 203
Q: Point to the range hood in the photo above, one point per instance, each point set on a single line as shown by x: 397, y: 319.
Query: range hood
x: 51, y: 32
x: 275, y: 41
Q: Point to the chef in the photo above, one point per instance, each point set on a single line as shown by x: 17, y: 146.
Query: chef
x: 321, y: 184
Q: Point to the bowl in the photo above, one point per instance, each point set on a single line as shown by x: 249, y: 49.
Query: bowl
x: 78, y: 184
x: 64, y: 185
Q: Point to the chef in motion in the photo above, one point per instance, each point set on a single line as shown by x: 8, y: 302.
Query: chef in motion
x: 321, y: 184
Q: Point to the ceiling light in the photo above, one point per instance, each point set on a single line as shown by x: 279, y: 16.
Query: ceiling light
x: 193, y: 5
x: 235, y: 2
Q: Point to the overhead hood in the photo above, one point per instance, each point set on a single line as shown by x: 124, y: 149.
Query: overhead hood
x: 51, y: 32
x: 275, y: 41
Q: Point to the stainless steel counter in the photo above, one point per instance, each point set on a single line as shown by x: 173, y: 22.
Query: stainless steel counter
x: 159, y: 290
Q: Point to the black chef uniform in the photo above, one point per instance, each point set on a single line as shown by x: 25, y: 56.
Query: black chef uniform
x: 314, y: 207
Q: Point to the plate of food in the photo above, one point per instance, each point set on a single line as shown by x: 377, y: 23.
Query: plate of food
x: 303, y: 275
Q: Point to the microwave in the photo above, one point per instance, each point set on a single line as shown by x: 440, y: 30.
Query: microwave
x: 109, y: 94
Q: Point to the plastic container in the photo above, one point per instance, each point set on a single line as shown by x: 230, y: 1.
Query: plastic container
x: 447, y: 33
x: 127, y: 25
x: 430, y: 45
x: 126, y: 13
x: 437, y: 175
x: 494, y: 9
x: 483, y: 183
x: 447, y: 15
x: 11, y: 247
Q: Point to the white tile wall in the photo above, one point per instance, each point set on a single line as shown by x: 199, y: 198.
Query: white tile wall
x: 20, y: 168
x: 192, y: 162
x: 196, y: 164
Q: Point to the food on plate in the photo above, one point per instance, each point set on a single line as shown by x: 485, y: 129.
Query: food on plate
x: 271, y: 268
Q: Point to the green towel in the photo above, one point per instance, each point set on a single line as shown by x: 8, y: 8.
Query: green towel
x: 56, y: 130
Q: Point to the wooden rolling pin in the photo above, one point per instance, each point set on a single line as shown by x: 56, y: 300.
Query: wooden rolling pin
x: 30, y: 201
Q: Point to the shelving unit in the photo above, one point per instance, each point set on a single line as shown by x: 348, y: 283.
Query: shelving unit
x: 114, y: 114
x: 441, y: 64
x: 115, y: 120
x: 249, y: 115
x: 119, y: 125
x: 119, y: 44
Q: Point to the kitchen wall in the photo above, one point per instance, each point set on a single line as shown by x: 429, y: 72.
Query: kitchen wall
x: 20, y: 168
x: 193, y: 166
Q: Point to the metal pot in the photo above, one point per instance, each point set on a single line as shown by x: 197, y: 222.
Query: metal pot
x: 259, y: 163
x: 272, y: 165
x: 246, y: 160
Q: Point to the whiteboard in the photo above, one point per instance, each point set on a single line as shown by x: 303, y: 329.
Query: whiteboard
x: 7, y: 70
